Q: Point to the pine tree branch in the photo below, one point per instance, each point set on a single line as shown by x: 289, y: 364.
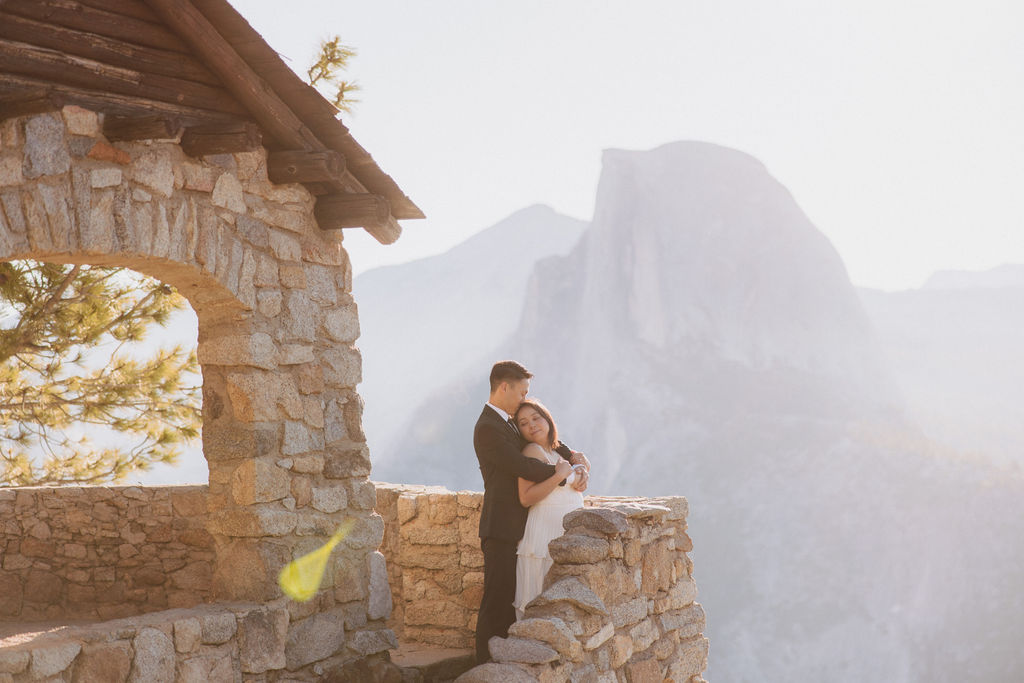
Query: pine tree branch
x: 124, y: 315
x: 42, y: 311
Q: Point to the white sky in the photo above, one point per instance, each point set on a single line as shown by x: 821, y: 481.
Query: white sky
x: 896, y: 124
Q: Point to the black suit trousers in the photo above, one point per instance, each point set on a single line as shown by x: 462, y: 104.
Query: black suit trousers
x: 496, y: 610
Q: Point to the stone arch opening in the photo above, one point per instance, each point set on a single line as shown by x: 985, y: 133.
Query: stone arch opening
x: 89, y: 365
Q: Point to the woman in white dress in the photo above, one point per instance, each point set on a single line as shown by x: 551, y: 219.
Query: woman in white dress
x: 548, y: 503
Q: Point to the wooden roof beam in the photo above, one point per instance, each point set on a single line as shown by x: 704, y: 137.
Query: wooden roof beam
x: 33, y: 103
x: 14, y: 88
x: 127, y: 128
x: 103, y: 49
x: 386, y: 233
x: 369, y: 211
x: 221, y: 138
x: 74, y: 15
x: 79, y: 72
x: 301, y: 166
x: 196, y: 141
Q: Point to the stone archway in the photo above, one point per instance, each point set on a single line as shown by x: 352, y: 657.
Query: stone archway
x: 281, y: 419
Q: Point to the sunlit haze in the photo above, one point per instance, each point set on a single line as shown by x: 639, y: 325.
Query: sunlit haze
x: 896, y: 126
x: 763, y: 262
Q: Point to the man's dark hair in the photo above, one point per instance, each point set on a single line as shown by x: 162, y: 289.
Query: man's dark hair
x: 507, y: 371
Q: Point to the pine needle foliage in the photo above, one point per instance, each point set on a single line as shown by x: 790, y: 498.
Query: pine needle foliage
x: 326, y: 74
x: 67, y: 337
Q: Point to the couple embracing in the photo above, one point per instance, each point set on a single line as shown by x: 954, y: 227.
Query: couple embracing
x: 531, y: 480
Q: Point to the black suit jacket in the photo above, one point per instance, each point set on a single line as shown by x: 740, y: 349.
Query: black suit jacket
x: 499, y: 451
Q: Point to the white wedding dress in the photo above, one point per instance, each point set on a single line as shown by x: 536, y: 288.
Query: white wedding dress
x: 543, y: 524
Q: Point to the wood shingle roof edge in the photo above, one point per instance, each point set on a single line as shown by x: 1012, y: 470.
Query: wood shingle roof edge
x: 309, y: 106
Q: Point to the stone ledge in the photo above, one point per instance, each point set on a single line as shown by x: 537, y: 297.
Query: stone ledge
x: 242, y: 638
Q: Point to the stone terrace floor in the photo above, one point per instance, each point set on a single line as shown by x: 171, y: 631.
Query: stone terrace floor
x: 16, y: 633
x: 432, y: 664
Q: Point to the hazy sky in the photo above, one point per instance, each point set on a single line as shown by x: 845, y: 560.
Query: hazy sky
x: 897, y: 125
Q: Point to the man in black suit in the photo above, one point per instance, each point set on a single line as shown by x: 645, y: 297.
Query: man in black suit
x: 502, y: 520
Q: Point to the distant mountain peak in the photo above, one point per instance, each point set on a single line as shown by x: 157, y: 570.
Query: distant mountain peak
x: 1006, y: 275
x: 705, y: 155
x: 533, y: 210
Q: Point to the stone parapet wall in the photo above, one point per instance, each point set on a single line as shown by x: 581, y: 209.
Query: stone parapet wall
x: 222, y: 643
x: 618, y: 605
x: 102, y: 552
x: 435, y: 567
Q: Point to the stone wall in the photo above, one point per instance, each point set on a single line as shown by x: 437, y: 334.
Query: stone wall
x: 435, y: 567
x: 224, y: 643
x: 102, y: 552
x: 618, y: 605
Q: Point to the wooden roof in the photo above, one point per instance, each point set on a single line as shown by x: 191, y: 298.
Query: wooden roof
x: 194, y: 68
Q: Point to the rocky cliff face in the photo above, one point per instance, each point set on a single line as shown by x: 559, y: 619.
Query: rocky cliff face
x: 700, y: 294
x: 696, y: 249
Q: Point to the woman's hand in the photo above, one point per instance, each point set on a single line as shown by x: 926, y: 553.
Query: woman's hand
x: 563, y: 468
x: 580, y: 459
x: 582, y: 467
x: 582, y: 478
